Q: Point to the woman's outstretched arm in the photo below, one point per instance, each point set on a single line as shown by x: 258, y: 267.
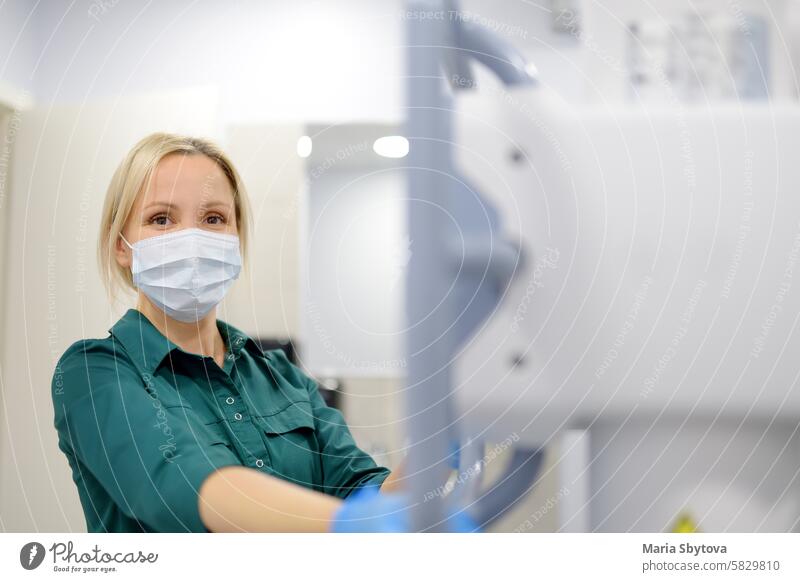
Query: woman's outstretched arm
x: 240, y: 499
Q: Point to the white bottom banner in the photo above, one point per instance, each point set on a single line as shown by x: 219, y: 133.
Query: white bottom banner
x: 372, y: 557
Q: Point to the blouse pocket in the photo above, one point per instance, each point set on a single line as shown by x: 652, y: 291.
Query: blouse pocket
x: 291, y: 440
x: 204, y: 428
x: 205, y: 431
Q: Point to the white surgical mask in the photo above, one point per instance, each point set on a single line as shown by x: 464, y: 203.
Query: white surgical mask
x: 187, y: 272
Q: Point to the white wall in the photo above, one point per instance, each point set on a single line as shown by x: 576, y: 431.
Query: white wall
x: 353, y: 291
x: 273, y: 60
x: 19, y: 44
x: 264, y: 302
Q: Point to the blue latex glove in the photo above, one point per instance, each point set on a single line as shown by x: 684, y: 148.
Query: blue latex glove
x: 460, y: 522
x: 369, y: 510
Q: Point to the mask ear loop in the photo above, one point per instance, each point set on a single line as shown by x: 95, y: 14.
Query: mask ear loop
x: 122, y: 236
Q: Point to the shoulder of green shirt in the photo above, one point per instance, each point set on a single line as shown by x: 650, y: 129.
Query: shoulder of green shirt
x: 280, y: 361
x: 84, y: 354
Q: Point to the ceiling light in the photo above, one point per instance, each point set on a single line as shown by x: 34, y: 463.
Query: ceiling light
x: 391, y: 146
x: 304, y: 146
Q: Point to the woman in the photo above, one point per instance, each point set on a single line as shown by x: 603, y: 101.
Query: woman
x: 177, y: 421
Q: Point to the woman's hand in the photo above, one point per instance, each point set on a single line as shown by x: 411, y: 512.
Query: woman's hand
x: 372, y: 511
x: 369, y: 510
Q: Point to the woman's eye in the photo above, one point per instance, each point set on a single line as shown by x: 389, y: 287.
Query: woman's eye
x: 160, y: 219
x: 216, y: 219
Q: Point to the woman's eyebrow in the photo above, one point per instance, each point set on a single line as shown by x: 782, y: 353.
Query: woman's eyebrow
x: 159, y: 203
x: 212, y: 203
x: 217, y: 204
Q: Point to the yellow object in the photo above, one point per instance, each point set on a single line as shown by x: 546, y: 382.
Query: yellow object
x: 684, y: 524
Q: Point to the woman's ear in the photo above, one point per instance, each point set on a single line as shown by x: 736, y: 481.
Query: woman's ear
x: 122, y: 253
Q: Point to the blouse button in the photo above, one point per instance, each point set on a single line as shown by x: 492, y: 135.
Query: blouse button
x: 237, y: 416
x: 259, y: 463
x: 229, y: 400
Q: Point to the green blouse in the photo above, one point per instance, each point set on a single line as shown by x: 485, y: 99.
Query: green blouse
x: 143, y: 423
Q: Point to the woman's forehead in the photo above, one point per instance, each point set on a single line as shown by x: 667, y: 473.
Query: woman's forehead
x: 190, y: 169
x: 194, y: 177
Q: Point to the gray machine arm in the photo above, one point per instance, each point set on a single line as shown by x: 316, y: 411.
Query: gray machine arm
x: 474, y: 41
x: 460, y: 262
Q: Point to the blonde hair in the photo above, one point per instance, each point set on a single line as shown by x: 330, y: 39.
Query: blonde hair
x: 131, y: 178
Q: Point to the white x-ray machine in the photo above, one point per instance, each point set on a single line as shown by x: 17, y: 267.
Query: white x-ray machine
x: 618, y: 282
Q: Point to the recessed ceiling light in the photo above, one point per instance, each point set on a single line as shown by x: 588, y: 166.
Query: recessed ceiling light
x: 304, y: 146
x: 391, y: 146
